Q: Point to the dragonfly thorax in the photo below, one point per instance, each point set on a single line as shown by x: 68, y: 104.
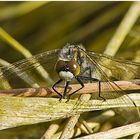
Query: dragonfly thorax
x: 70, y: 52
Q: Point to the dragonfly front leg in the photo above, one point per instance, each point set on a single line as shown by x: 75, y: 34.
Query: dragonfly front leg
x: 65, y: 90
x: 81, y: 83
x: 53, y: 87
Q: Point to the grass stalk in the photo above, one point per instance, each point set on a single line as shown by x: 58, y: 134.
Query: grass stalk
x: 124, y: 28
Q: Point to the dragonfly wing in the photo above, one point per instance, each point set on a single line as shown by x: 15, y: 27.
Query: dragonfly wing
x: 128, y: 70
x: 22, y: 69
x: 120, y: 70
x: 117, y: 68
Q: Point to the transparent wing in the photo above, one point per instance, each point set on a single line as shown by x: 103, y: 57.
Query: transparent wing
x: 17, y: 73
x: 107, y: 69
x: 117, y: 68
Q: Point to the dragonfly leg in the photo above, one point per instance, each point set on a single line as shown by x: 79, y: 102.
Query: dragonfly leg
x: 53, y: 87
x: 80, y: 82
x: 99, y: 83
x: 65, y: 90
x: 94, y: 79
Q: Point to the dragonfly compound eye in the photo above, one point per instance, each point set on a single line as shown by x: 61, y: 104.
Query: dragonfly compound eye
x: 71, y: 66
x: 60, y: 65
x: 74, y: 67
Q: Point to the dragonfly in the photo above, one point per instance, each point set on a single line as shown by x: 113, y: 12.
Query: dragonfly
x: 73, y: 64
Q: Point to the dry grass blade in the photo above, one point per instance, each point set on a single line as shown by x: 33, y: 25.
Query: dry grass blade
x: 73, y: 120
x: 116, y: 132
x: 18, y: 111
x: 51, y: 130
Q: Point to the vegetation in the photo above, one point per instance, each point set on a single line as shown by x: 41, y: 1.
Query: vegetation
x: 28, y: 28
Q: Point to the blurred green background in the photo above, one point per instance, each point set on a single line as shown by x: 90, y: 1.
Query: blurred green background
x: 41, y: 26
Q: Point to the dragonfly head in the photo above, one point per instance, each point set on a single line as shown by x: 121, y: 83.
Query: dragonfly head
x: 67, y: 69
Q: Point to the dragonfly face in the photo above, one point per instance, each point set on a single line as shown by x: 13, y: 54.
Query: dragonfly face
x: 67, y: 69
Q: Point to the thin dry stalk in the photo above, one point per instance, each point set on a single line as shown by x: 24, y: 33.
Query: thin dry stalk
x: 20, y: 48
x: 132, y: 85
x: 51, y: 130
x: 116, y: 132
x: 124, y: 28
x: 73, y: 120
